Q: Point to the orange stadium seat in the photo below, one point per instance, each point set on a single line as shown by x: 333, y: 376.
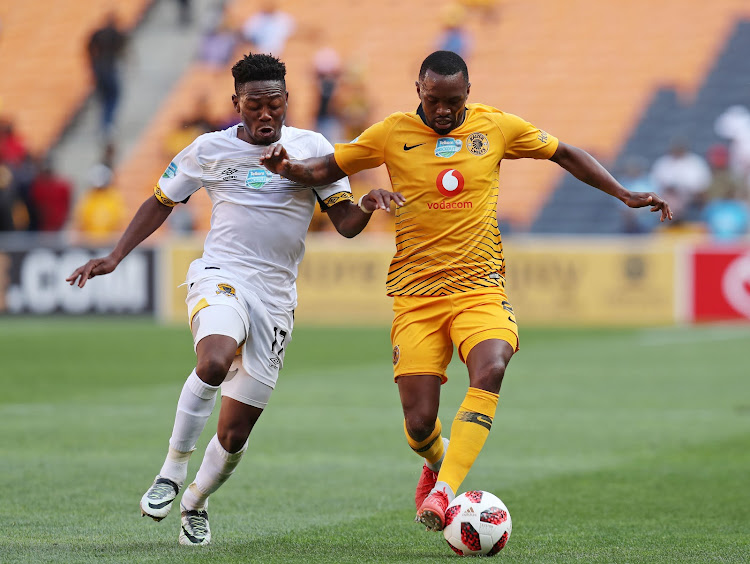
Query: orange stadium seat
x: 583, y: 70
x: 44, y: 63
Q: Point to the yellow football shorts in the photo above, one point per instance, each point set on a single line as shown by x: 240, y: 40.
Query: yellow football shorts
x: 426, y: 328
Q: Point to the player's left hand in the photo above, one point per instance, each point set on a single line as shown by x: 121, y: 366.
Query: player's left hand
x: 275, y: 158
x: 379, y: 199
x: 643, y: 199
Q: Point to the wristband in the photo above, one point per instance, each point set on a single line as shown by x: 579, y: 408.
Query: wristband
x: 368, y: 212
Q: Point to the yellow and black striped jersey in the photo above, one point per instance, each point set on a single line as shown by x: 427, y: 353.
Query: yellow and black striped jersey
x: 447, y: 237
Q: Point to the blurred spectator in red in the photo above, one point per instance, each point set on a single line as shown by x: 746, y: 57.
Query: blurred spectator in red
x: 269, y: 29
x: 50, y: 197
x: 681, y: 177
x: 106, y: 48
x: 100, y: 213
x: 327, y: 65
x: 12, y: 147
x: 454, y: 36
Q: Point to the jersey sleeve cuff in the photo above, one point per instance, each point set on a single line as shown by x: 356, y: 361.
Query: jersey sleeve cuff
x: 334, y: 199
x: 162, y: 198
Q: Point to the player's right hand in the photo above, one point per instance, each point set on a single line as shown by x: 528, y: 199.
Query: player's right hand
x: 94, y: 267
x: 275, y: 158
x: 381, y: 200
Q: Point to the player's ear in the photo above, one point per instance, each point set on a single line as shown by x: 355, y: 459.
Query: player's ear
x: 236, y: 103
x: 468, y: 88
x: 416, y: 83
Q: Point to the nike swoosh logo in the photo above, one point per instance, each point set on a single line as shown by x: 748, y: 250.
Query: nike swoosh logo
x: 193, y: 539
x: 159, y: 505
x: 408, y: 148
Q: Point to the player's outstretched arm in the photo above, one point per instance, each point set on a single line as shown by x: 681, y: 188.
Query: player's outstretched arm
x: 350, y: 219
x: 587, y: 169
x: 146, y: 220
x: 315, y: 171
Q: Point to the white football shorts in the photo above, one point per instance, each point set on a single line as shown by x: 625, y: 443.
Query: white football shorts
x: 261, y: 332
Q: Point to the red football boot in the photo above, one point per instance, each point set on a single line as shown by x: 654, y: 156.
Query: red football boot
x: 426, y: 482
x: 432, y: 511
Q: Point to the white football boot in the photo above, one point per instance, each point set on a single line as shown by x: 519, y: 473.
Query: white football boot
x: 195, y: 530
x: 157, y: 501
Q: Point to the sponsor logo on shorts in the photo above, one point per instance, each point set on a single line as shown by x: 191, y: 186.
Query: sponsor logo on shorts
x: 478, y: 144
x: 447, y: 147
x: 274, y: 362
x: 258, y: 177
x: 226, y: 289
x: 396, y: 355
x: 171, y: 171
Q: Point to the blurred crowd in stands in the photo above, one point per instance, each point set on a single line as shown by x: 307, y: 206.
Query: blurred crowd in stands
x: 34, y: 197
x: 709, y: 193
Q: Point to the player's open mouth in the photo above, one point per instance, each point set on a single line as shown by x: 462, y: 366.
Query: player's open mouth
x: 265, y: 131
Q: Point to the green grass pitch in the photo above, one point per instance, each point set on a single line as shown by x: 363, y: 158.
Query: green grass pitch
x: 608, y: 446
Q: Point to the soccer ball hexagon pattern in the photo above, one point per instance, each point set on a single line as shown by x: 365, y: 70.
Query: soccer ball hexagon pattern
x: 477, y: 523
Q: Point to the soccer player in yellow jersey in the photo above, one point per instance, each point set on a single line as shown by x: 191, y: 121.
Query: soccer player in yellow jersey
x: 447, y: 277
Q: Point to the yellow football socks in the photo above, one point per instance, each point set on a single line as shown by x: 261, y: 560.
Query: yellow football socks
x: 432, y: 448
x: 468, y: 433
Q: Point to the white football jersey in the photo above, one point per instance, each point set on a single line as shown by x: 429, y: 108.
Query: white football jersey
x: 259, y: 219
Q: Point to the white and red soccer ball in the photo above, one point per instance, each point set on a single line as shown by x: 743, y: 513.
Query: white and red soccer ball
x: 477, y: 522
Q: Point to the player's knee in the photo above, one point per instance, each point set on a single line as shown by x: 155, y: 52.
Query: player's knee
x: 490, y: 376
x: 213, y: 369
x: 233, y: 439
x: 420, y: 425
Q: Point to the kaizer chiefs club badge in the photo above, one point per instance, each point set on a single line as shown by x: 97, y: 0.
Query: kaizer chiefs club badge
x: 478, y: 144
x: 226, y: 289
x: 396, y: 355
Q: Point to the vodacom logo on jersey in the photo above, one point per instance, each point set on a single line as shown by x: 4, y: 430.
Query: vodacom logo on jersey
x: 450, y: 182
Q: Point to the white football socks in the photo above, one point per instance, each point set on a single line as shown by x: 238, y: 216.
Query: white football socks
x: 194, y: 407
x: 217, y: 466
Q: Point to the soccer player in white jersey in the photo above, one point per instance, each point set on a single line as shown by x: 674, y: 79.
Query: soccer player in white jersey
x: 241, y: 292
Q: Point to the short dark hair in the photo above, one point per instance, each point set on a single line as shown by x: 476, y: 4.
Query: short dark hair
x: 444, y: 63
x: 255, y: 67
